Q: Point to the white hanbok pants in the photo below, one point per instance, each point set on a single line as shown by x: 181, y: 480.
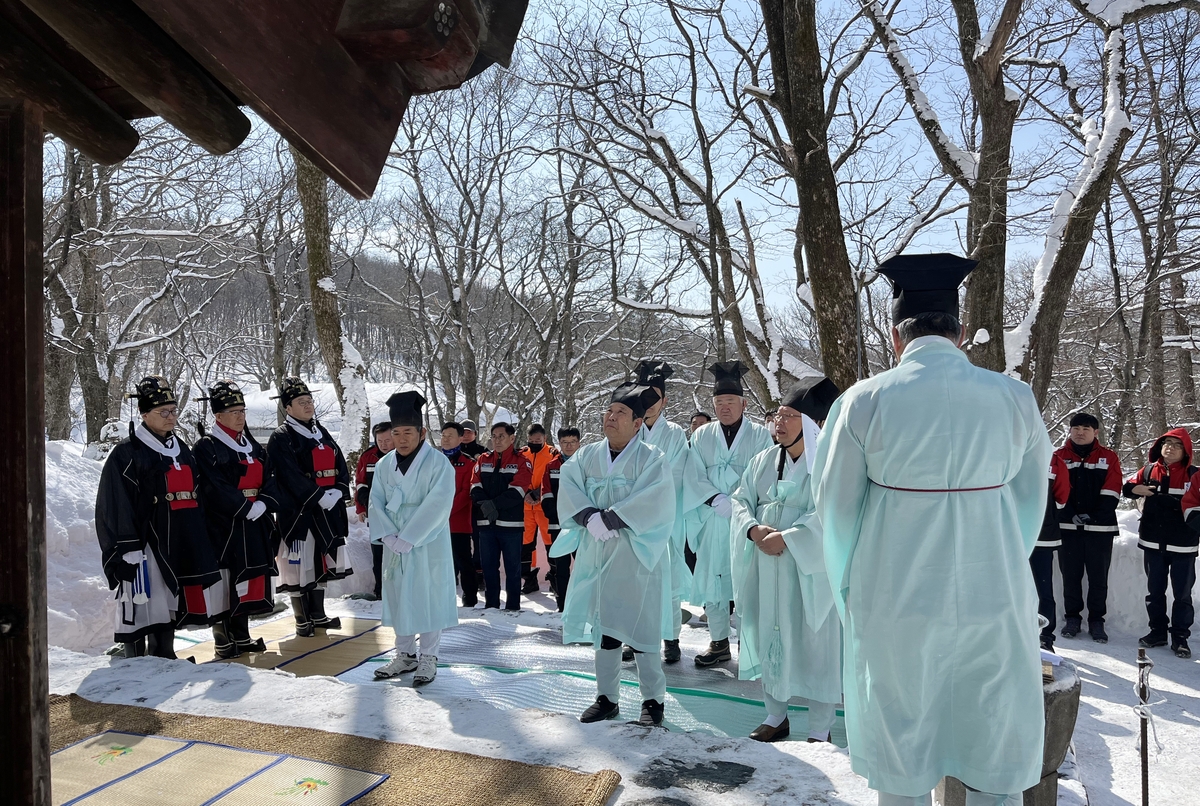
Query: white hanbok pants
x: 821, y: 715
x: 430, y: 641
x: 718, y: 620
x: 651, y: 679
x: 973, y: 799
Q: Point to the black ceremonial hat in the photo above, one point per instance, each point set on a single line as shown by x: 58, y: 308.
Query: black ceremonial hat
x: 636, y: 396
x: 812, y: 396
x: 224, y: 394
x: 153, y: 391
x: 925, y: 283
x: 728, y: 375
x: 654, y: 373
x: 292, y: 388
x: 404, y: 408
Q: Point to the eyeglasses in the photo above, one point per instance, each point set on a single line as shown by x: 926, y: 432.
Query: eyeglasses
x: 235, y: 411
x: 781, y: 417
x: 168, y: 414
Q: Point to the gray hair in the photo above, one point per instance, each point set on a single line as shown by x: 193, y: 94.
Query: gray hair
x: 930, y: 323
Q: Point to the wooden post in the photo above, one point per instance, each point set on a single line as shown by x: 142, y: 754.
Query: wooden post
x: 25, y: 736
x: 1143, y: 692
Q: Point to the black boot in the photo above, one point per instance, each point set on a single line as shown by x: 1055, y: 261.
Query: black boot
x: 718, y: 652
x: 304, y: 625
x: 652, y: 713
x: 1153, y: 639
x: 239, y: 631
x: 227, y: 647
x: 531, y: 583
x: 1071, y: 628
x: 1096, y: 630
x: 316, y: 610
x: 671, y: 652
x: 602, y: 708
x: 135, y: 649
x: 627, y: 653
x: 161, y: 643
x: 1180, y: 647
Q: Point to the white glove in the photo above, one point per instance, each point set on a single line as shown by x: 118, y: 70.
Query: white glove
x: 133, y: 557
x: 595, y: 525
x: 330, y: 499
x: 397, y: 544
x: 722, y: 505
x: 256, y: 511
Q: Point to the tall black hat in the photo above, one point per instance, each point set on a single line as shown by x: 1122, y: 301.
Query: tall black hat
x: 291, y: 388
x: 151, y: 392
x: 728, y: 375
x: 636, y: 396
x: 654, y: 373
x: 925, y: 283
x: 812, y: 396
x: 404, y: 408
x: 224, y: 394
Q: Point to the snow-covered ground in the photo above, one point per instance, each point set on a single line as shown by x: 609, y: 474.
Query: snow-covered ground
x: 81, y: 617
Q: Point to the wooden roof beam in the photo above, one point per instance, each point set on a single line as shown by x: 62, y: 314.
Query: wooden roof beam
x: 130, y: 48
x: 70, y: 110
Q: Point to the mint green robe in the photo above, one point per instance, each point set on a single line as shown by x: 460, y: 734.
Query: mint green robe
x: 619, y: 587
x: 942, y: 666
x: 418, y: 587
x: 715, y: 469
x: 790, y: 633
x: 672, y: 441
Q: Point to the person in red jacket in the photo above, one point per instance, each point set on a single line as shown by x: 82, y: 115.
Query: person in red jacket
x: 499, y: 483
x: 1088, y: 523
x: 364, y: 475
x: 1041, y: 561
x: 1169, y: 535
x: 461, y: 529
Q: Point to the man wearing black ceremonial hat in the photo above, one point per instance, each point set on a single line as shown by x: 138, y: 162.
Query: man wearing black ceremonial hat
x: 239, y: 496
x: 411, y: 503
x: 930, y: 486
x: 790, y: 634
x: 720, y: 453
x: 672, y: 440
x: 619, y: 501
x: 153, y: 538
x: 313, y: 486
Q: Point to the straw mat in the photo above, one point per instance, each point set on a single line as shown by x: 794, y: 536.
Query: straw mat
x: 419, y: 776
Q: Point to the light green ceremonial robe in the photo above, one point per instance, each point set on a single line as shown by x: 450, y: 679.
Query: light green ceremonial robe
x: 715, y: 468
x: 418, y: 587
x: 619, y: 587
x: 942, y: 667
x: 672, y: 441
x: 790, y: 634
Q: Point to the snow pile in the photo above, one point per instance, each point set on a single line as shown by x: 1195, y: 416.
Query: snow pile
x: 81, y: 609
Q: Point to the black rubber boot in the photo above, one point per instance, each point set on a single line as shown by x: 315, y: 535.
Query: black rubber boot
x: 671, y: 653
x: 602, y: 708
x: 1153, y: 639
x: 135, y: 649
x: 316, y: 611
x: 227, y: 648
x: 531, y: 584
x: 1071, y: 628
x: 304, y: 625
x: 627, y: 653
x: 239, y: 631
x: 161, y: 643
x: 1180, y: 647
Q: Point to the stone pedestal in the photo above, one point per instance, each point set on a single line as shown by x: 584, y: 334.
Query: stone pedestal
x: 1061, y: 699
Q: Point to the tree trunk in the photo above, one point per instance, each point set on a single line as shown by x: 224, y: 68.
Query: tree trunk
x: 796, y: 61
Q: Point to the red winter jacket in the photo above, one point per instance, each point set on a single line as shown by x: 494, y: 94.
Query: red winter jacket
x: 1095, y: 475
x: 502, y: 479
x: 1175, y: 505
x: 1060, y: 490
x: 460, y: 514
x: 364, y: 477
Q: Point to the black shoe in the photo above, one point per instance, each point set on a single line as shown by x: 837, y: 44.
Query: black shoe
x: 316, y: 611
x: 1048, y: 644
x: 766, y: 733
x: 627, y: 653
x: 134, y: 649
x: 226, y: 646
x: 718, y: 652
x: 470, y: 601
x: 1181, y: 649
x: 161, y: 643
x: 1071, y: 628
x: 531, y: 584
x: 1096, y: 630
x: 1152, y: 639
x: 652, y: 713
x: 671, y: 651
x: 304, y: 625
x: 602, y: 708
x: 561, y: 604
x: 257, y: 645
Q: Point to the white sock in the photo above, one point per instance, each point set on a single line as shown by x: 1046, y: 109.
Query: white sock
x: 774, y: 720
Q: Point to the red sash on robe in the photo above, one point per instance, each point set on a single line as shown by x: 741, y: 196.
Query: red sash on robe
x: 181, y: 488
x: 324, y: 460
x: 252, y: 477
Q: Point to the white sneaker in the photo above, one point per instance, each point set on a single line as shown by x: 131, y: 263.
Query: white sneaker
x: 399, y: 665
x: 426, y: 670
x: 480, y: 605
